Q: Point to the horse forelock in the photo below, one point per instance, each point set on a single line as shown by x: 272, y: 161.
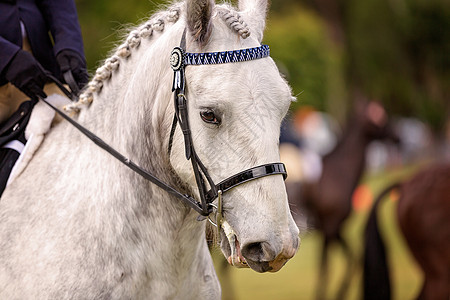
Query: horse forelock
x: 146, y: 30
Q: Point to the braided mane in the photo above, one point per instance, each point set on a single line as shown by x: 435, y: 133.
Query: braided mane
x: 157, y: 22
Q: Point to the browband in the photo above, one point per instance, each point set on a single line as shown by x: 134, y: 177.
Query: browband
x: 223, y: 57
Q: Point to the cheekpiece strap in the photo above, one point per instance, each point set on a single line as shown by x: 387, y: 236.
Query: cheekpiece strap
x: 222, y: 57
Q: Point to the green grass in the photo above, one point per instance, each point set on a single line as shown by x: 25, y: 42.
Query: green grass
x: 298, y: 279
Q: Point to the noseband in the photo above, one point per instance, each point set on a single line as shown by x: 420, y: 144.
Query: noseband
x: 179, y: 60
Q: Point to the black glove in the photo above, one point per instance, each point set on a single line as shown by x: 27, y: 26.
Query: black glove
x: 71, y: 60
x: 26, y: 74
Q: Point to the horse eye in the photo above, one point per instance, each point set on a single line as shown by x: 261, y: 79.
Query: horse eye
x: 208, y: 116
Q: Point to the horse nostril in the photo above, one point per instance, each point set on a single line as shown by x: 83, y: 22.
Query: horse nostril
x: 258, y: 252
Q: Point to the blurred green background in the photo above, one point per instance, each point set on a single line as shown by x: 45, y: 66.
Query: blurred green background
x: 333, y: 52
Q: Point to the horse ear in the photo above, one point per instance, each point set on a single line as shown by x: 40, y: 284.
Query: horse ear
x: 255, y: 12
x: 199, y: 19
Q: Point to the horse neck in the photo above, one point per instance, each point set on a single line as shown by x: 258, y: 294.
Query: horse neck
x: 133, y: 113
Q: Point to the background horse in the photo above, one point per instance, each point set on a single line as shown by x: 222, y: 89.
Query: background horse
x: 78, y: 224
x: 328, y: 201
x: 423, y: 215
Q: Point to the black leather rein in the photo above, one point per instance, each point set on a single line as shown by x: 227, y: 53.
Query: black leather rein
x: 204, y: 207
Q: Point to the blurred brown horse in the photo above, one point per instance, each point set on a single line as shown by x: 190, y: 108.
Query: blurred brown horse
x: 328, y: 201
x: 423, y: 213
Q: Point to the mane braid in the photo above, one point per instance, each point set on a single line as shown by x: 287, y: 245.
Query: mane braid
x: 234, y: 20
x: 105, y: 72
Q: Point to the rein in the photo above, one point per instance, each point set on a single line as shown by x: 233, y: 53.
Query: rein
x: 179, y: 60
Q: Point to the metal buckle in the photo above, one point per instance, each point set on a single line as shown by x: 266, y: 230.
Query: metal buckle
x: 218, y: 214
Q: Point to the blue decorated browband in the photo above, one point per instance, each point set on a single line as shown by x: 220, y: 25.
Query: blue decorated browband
x: 180, y: 59
x: 222, y: 57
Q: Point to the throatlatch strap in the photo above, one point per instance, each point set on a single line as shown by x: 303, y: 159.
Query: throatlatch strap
x: 172, y: 132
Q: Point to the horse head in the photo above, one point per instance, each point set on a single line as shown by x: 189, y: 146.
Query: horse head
x: 374, y: 121
x: 235, y: 112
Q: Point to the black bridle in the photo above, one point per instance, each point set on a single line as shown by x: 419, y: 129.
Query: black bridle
x: 178, y: 61
x: 204, y: 207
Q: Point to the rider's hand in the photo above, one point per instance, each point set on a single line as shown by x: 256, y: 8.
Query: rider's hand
x: 26, y: 74
x: 71, y: 60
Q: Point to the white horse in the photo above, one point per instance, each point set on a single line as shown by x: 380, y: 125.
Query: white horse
x: 78, y: 224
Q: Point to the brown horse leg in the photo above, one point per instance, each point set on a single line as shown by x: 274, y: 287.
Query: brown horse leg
x: 322, y: 282
x: 436, y: 285
x: 349, y: 268
x: 423, y: 213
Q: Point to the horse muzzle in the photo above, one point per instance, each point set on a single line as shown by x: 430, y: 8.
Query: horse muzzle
x: 261, y: 256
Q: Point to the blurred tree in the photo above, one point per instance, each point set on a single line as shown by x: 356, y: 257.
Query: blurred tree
x: 299, y: 45
x: 395, y: 51
x: 102, y: 23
